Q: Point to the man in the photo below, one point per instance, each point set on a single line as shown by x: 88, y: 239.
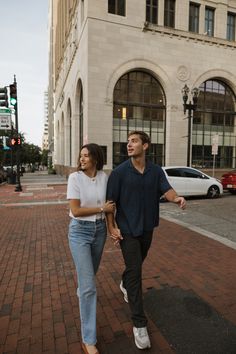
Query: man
x: 136, y: 186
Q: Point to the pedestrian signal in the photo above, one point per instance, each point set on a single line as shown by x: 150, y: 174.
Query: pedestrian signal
x: 15, y: 141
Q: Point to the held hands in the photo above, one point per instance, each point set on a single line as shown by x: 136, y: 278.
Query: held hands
x: 109, y: 207
x: 116, y: 235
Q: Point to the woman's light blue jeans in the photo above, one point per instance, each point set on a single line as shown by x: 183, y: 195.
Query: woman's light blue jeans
x: 86, y: 241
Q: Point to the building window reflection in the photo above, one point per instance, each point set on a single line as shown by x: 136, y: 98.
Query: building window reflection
x: 138, y: 104
x: 215, y: 115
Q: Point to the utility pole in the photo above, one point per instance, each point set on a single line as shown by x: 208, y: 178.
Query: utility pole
x: 13, y: 102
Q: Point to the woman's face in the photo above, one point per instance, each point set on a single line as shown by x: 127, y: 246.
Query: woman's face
x: 86, y: 162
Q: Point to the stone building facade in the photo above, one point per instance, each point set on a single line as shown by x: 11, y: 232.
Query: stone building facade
x: 120, y: 65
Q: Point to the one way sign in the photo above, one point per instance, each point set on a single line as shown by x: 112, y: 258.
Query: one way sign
x: 5, y: 122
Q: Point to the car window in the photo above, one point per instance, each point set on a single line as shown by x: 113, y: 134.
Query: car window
x: 173, y: 172
x: 190, y: 173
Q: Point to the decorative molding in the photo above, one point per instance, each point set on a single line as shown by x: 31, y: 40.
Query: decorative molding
x: 183, y: 73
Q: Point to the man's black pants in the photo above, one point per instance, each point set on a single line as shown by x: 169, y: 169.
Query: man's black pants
x: 134, y: 250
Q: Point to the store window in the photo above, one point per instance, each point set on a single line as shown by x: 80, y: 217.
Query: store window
x: 104, y: 152
x: 138, y: 104
x: 215, y: 115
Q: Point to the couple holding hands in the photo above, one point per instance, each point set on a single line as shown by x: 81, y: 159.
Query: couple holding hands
x: 127, y: 204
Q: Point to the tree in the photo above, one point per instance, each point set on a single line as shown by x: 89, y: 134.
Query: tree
x: 44, y: 157
x: 30, y: 154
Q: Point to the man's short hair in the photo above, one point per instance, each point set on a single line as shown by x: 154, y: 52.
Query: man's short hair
x: 143, y: 136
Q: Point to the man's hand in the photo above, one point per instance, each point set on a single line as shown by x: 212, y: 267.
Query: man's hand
x: 115, y: 235
x: 181, y: 201
x: 172, y: 196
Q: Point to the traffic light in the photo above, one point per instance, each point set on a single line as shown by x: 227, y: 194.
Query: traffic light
x: 13, y: 94
x: 15, y: 141
x: 3, y: 97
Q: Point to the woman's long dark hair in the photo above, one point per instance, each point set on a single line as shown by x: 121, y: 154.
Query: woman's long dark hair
x: 95, y: 153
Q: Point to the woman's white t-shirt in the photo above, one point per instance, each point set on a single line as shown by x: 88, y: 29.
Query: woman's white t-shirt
x: 90, y: 191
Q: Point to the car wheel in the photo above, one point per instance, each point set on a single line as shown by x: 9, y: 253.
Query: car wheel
x: 213, y: 192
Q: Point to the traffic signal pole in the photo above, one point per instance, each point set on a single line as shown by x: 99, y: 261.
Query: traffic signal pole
x: 18, y: 184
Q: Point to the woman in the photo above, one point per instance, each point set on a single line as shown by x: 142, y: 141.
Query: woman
x: 86, y: 192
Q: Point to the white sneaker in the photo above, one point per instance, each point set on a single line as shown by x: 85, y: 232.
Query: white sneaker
x: 124, y: 291
x: 141, y: 338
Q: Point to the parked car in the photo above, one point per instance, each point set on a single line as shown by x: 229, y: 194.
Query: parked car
x: 188, y: 181
x: 228, y: 181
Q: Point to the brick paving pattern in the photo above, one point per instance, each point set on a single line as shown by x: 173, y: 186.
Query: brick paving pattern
x: 39, y: 310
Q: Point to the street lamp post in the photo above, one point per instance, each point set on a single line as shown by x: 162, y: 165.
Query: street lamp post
x: 13, y: 94
x: 190, y: 107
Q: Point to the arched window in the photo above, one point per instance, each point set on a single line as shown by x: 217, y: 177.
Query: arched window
x: 81, y: 119
x: 69, y: 132
x: 215, y: 116
x: 138, y: 104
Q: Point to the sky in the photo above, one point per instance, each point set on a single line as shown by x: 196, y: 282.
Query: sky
x: 24, y: 53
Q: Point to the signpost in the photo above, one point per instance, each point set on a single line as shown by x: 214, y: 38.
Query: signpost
x: 5, y: 119
x: 214, y: 150
x: 5, y: 122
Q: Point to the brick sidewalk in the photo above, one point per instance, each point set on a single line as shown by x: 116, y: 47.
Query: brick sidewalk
x: 38, y: 304
x: 32, y: 193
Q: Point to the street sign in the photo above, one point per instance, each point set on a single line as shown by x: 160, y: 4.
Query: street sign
x: 215, y: 143
x: 5, y: 121
x: 214, y: 149
x: 4, y: 110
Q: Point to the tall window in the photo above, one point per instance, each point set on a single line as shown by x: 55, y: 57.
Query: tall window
x: 138, y: 104
x: 151, y: 11
x: 82, y: 11
x: 231, y: 27
x: 116, y: 7
x: 169, y: 13
x: 209, y: 21
x: 81, y: 119
x: 70, y: 132
x: 215, y: 115
x: 194, y: 17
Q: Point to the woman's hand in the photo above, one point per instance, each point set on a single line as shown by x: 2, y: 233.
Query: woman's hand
x: 109, y: 207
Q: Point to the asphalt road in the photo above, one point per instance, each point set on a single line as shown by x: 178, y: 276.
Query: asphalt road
x: 216, y: 218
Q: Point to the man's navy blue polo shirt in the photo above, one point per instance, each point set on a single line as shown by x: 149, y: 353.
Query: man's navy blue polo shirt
x: 137, y: 196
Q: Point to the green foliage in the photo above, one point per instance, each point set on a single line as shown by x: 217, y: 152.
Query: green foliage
x: 44, y: 157
x: 29, y: 153
x: 52, y: 171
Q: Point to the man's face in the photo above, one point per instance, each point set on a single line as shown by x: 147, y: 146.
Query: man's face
x: 135, y: 146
